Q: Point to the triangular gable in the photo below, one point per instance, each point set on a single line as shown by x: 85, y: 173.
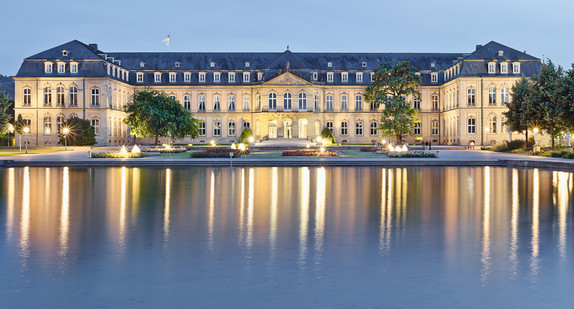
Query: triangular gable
x: 287, y: 79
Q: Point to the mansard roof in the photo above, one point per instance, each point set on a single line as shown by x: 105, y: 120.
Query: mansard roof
x: 491, y: 49
x: 75, y: 48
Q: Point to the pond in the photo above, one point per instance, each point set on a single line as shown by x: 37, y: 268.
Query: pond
x: 278, y: 237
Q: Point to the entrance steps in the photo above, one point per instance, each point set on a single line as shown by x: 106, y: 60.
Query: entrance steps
x: 283, y: 143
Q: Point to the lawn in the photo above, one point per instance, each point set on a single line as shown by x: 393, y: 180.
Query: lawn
x: 13, y: 152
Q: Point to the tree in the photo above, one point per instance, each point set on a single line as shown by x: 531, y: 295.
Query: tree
x: 391, y: 86
x: 328, y: 135
x: 81, y: 132
x: 6, y: 111
x: 154, y: 113
x: 517, y: 115
x: 245, y: 135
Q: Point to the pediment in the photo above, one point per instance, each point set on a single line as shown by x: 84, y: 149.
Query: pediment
x: 287, y: 79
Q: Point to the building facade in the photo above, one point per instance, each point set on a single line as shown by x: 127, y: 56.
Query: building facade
x: 276, y: 95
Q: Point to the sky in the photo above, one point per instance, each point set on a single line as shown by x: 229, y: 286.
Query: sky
x: 544, y: 29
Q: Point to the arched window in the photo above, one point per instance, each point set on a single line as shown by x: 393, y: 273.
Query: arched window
x: 95, y: 98
x: 216, y: 128
x: 27, y: 97
x: 287, y: 101
x: 95, y: 122
x: 201, y: 103
x: 434, y: 128
x: 302, y: 101
x: 59, y: 123
x: 344, y: 128
x: 504, y: 95
x: 374, y: 127
x: 60, y: 96
x: 231, y: 128
x: 492, y: 124
x: 471, y: 125
x: 470, y: 95
x: 359, y: 128
x: 201, y: 128
x: 329, y: 102
x: 491, y: 95
x: 231, y: 103
x: 434, y: 100
x: 47, y: 125
x: 187, y: 102
x: 216, y: 103
x: 47, y: 96
x: 272, y: 101
x: 358, y: 102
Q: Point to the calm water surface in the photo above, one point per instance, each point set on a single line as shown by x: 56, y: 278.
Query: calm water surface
x: 286, y: 238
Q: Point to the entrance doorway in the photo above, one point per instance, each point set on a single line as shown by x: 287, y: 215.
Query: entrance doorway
x: 272, y: 129
x: 303, y: 128
x: 287, y: 129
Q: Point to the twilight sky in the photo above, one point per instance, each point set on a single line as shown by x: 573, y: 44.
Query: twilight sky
x: 537, y: 27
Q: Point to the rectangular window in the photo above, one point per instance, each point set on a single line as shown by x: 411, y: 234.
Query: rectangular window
x: 329, y: 77
x: 471, y: 125
x: 201, y: 128
x: 27, y: 97
x: 359, y: 77
x: 217, y: 128
x: 417, y: 128
x: 330, y: 126
x: 344, y: 77
x: 491, y: 68
x: 434, y: 128
x: 201, y: 103
x: 216, y: 77
x: 187, y: 77
x: 157, y: 77
x: 374, y: 127
x: 73, y: 68
x: 48, y: 67
x: 246, y: 103
x: 231, y: 103
x: 246, y: 77
x: 216, y: 103
x: 329, y: 102
x: 516, y: 68
x: 73, y: 96
x: 172, y: 77
x: 359, y: 128
x: 139, y: 77
x: 504, y: 68
x: 372, y: 77
x: 344, y: 105
x: 61, y: 67
x: 417, y: 104
x: 344, y: 128
x: 358, y: 102
x: 202, y: 77
x: 231, y: 128
x: 231, y: 77
x: 434, y: 77
x: 187, y: 102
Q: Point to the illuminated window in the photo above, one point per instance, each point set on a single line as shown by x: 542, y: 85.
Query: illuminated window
x: 187, y: 102
x: 287, y: 101
x: 172, y: 77
x: 231, y: 103
x: 374, y: 127
x: 202, y: 77
x: 95, y: 97
x: 27, y: 97
x: 302, y: 101
x: 59, y: 123
x: 471, y: 125
x: 329, y: 102
x: 73, y: 96
x: 344, y: 77
x: 417, y: 128
x: 359, y: 128
x: 231, y: 128
x: 231, y: 77
x: 157, y: 77
x: 272, y: 101
x: 48, y: 125
x: 60, y: 96
x: 344, y: 105
x: 216, y: 77
x: 492, y: 124
x: 187, y: 77
x: 95, y: 122
x: 217, y: 128
x: 434, y: 128
x: 358, y: 102
x: 47, y: 96
x: 344, y: 128
x: 329, y: 77
x: 492, y: 96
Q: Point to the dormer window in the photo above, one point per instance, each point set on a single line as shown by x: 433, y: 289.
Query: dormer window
x: 330, y: 77
x: 177, y: 64
x: 364, y: 64
x: 500, y: 53
x: 73, y: 67
x: 516, y: 68
x: 231, y: 77
x: 202, y: 77
x: 216, y: 77
x: 259, y: 75
x: 329, y: 64
x: 142, y: 64
x: 359, y: 77
x: 432, y: 65
x: 187, y: 77
x: 247, y: 64
x: 65, y: 53
x: 504, y: 68
x: 314, y: 76
x: 247, y: 77
x: 344, y: 77
x: 157, y: 77
x: 434, y: 77
x: 47, y: 67
x: 139, y: 77
x: 372, y: 77
x: 172, y: 77
x: 61, y: 67
x: 212, y: 64
x: 491, y: 68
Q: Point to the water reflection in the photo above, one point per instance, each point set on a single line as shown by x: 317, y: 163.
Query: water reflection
x: 10, y: 204
x: 514, y: 225
x: 562, y: 191
x: 535, y: 224
x: 319, y: 212
x: 303, y: 214
x: 25, y: 221
x: 273, y: 215
x: 485, y: 256
x: 65, y: 214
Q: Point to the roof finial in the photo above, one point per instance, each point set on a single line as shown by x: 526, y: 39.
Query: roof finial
x: 287, y: 46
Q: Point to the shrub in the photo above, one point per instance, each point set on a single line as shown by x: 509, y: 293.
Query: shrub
x: 100, y: 155
x: 328, y: 135
x: 218, y: 152
x: 515, y: 144
x: 501, y: 148
x: 164, y: 150
x: 569, y: 155
x: 310, y: 153
x: 244, y: 137
x: 413, y: 154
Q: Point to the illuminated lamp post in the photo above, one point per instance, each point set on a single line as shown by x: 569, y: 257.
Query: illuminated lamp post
x: 535, y: 147
x: 66, y: 131
x: 10, y: 130
x: 486, y: 130
x: 26, y: 131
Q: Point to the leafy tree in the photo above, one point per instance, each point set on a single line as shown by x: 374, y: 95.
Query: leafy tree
x: 6, y: 111
x: 154, y: 113
x: 568, y: 102
x: 391, y: 86
x: 81, y: 132
x: 19, y: 124
x: 517, y: 115
x: 328, y: 135
x: 245, y: 135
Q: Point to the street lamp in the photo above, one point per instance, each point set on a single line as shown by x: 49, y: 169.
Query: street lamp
x: 486, y: 130
x: 10, y: 130
x: 535, y: 130
x: 26, y: 131
x: 66, y: 131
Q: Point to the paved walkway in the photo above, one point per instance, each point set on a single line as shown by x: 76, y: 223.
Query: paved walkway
x: 446, y: 158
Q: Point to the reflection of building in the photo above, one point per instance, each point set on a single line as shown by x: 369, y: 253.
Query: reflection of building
x: 277, y: 95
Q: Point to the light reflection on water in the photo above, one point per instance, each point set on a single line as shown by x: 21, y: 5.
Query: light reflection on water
x: 462, y: 232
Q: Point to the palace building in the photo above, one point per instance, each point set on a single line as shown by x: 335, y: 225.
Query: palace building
x: 276, y: 95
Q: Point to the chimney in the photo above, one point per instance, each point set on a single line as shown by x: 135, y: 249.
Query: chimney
x: 94, y: 46
x: 478, y: 46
